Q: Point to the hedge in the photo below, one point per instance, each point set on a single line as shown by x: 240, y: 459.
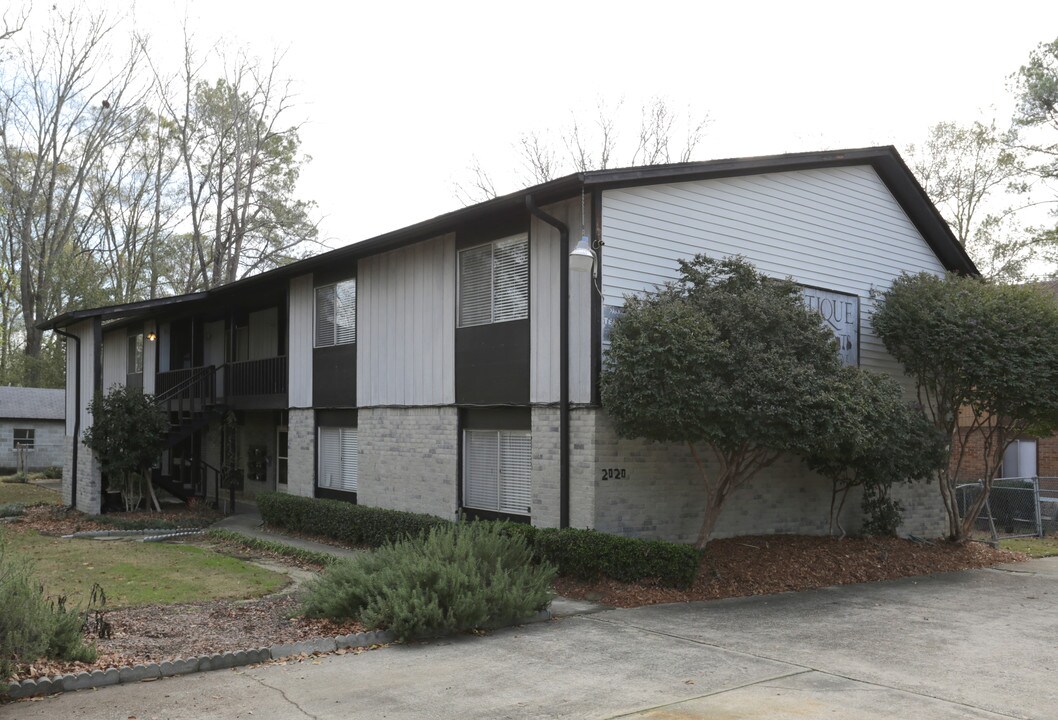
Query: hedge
x: 342, y: 521
x: 589, y: 555
x: 582, y: 554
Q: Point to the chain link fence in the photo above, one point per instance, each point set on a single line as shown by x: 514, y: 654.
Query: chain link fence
x: 1016, y: 507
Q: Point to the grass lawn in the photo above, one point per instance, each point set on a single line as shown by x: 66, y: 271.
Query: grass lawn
x: 136, y: 573
x: 1033, y: 547
x: 27, y: 494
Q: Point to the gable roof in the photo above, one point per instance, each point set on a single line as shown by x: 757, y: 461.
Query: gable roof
x: 26, y: 403
x: 885, y: 160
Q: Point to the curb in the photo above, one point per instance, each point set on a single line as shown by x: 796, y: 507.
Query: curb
x: 172, y: 535
x: 218, y: 661
x: 201, y: 663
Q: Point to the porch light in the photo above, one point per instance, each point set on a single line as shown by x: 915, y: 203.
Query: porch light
x: 582, y: 258
x: 152, y: 336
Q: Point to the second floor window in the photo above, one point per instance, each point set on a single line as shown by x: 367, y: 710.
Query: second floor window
x: 336, y: 314
x: 494, y: 282
x: 135, y: 360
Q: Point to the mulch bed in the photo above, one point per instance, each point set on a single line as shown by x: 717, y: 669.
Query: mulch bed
x: 59, y: 520
x: 761, y: 565
x: 156, y: 633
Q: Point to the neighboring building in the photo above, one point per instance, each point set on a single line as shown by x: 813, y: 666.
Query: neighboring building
x: 32, y: 419
x: 440, y: 369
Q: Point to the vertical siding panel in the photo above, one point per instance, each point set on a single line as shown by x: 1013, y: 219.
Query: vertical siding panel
x: 115, y: 358
x: 300, y: 338
x: 71, y: 382
x: 405, y: 345
x: 150, y: 357
x: 86, y: 332
x: 837, y: 228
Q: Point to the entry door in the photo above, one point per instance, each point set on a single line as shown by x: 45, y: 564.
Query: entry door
x: 213, y: 349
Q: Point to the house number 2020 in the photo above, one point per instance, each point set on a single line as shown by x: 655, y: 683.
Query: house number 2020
x: 614, y: 474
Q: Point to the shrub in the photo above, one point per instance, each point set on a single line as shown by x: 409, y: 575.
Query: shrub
x: 12, y: 510
x: 456, y: 577
x: 342, y: 521
x: 881, y: 514
x: 53, y: 473
x: 589, y: 555
x: 33, y: 626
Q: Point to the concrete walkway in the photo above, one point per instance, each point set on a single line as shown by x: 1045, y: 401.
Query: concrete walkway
x: 248, y: 522
x: 978, y: 644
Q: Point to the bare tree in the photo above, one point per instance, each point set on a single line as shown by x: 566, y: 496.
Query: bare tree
x: 595, y: 144
x: 65, y: 100
x: 240, y: 163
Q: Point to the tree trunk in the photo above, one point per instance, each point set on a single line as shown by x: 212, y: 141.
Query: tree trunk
x: 712, y: 514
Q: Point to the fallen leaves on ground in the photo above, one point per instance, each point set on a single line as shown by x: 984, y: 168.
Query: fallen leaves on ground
x: 761, y: 565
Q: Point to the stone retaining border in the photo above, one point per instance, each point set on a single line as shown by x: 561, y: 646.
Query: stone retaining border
x: 205, y: 663
x: 129, y: 533
x: 172, y: 535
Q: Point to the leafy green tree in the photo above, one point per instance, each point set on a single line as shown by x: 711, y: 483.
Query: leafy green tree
x: 883, y: 440
x: 988, y: 350
x: 127, y: 434
x: 727, y: 360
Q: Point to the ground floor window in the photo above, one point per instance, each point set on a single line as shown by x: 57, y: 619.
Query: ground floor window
x: 1019, y: 460
x: 497, y: 467
x: 281, y: 456
x: 338, y: 463
x: 24, y: 438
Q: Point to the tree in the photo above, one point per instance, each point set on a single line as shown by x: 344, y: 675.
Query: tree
x: 968, y: 172
x: 59, y: 109
x: 660, y: 136
x: 988, y: 350
x: 240, y: 164
x: 127, y: 435
x: 727, y: 359
x: 883, y: 440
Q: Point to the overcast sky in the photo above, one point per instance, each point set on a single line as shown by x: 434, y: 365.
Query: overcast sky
x: 398, y: 98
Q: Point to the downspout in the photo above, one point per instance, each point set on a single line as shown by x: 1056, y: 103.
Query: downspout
x: 563, y: 355
x: 76, y: 414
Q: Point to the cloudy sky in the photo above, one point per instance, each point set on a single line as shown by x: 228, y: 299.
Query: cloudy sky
x: 398, y: 98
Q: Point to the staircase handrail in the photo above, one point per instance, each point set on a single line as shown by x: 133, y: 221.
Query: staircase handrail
x: 185, y: 384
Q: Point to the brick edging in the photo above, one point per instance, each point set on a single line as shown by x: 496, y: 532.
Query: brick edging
x: 205, y: 663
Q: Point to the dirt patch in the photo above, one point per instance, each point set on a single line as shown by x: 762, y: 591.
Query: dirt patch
x: 761, y: 565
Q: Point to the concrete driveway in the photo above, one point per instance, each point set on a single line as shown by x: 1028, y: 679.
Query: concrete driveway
x: 981, y: 644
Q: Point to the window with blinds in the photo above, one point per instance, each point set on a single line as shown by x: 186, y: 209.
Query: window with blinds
x: 336, y: 314
x: 497, y: 465
x: 494, y: 282
x: 338, y: 449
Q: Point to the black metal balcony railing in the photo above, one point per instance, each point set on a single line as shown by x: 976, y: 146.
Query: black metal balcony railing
x: 267, y: 376
x: 166, y: 381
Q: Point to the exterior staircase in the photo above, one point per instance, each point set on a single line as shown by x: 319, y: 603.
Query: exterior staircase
x: 191, y: 405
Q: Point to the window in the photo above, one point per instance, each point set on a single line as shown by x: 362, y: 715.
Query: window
x: 1019, y: 460
x: 24, y: 438
x: 336, y: 314
x: 496, y: 471
x: 338, y: 458
x: 281, y: 456
x: 494, y: 282
x: 135, y: 359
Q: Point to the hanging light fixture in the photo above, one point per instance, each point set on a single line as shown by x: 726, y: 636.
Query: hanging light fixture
x: 582, y: 259
x: 152, y: 336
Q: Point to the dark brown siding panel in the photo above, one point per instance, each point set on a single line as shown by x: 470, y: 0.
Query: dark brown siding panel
x: 334, y: 376
x: 492, y: 364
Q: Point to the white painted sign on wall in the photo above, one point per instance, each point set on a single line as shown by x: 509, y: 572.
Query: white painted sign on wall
x: 841, y: 314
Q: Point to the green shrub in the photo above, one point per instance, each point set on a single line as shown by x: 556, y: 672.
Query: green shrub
x: 311, y: 556
x: 53, y: 473
x: 589, y: 554
x: 33, y: 626
x: 882, y: 514
x: 12, y: 510
x: 456, y: 577
x: 342, y: 521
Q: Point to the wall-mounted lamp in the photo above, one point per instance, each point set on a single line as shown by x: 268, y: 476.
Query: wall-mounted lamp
x: 582, y: 258
x: 152, y: 336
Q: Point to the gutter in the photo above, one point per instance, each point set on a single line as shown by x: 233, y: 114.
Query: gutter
x: 76, y: 413
x: 563, y: 353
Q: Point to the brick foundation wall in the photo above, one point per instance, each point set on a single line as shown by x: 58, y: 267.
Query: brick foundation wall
x: 301, y: 449
x: 408, y: 459
x: 89, y: 482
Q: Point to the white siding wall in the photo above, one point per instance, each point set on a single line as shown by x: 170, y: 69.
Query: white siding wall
x: 150, y: 357
x: 837, y: 228
x: 405, y: 350
x: 299, y: 352
x: 115, y: 358
x: 84, y: 331
x: 544, y: 306
x: 164, y: 338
